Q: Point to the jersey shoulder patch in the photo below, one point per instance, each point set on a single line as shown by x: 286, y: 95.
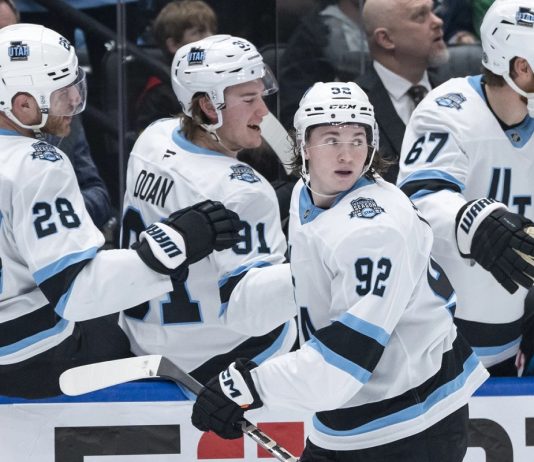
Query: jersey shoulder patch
x: 244, y: 172
x: 365, y: 207
x: 44, y: 151
x: 451, y: 100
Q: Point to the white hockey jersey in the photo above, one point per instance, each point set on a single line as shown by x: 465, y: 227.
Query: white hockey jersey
x: 237, y: 299
x: 455, y: 150
x: 382, y: 359
x: 51, y: 270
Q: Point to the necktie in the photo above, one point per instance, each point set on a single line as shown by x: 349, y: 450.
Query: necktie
x: 417, y: 93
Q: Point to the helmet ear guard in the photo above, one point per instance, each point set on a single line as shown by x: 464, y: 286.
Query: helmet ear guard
x: 38, y: 61
x: 506, y: 29
x: 213, y: 64
x: 335, y: 103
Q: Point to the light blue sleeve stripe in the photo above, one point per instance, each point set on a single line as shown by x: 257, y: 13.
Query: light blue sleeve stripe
x: 412, y: 412
x: 495, y: 350
x: 54, y: 268
x: 431, y: 174
x: 422, y: 193
x: 242, y: 269
x: 24, y: 343
x: 366, y: 328
x: 62, y: 302
x: 275, y: 346
x: 331, y: 357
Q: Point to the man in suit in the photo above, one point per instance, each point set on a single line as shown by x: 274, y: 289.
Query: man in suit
x: 405, y: 38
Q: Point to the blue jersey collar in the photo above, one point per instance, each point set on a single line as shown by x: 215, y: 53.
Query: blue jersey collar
x: 308, y: 211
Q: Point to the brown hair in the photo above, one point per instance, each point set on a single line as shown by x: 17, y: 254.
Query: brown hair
x: 191, y: 125
x: 494, y: 80
x: 178, y: 16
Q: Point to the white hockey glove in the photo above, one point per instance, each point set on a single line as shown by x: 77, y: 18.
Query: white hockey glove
x: 500, y: 241
x: 188, y: 236
x: 221, y: 403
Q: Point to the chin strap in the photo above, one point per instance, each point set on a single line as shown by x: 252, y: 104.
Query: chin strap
x: 305, y: 175
x: 35, y: 128
x: 211, y: 130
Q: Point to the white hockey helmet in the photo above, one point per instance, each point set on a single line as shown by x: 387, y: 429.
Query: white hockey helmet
x: 213, y: 64
x: 335, y: 103
x: 39, y: 61
x: 507, y: 31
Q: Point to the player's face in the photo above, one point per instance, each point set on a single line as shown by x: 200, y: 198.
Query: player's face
x: 244, y: 110
x: 336, y: 156
x: 418, y: 33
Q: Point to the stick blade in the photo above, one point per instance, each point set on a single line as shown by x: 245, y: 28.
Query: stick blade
x: 92, y: 377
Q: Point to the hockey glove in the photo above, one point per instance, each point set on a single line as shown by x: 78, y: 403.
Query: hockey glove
x: 500, y: 241
x: 188, y: 236
x: 221, y: 403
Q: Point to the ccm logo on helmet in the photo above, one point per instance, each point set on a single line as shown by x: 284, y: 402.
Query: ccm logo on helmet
x: 343, y: 106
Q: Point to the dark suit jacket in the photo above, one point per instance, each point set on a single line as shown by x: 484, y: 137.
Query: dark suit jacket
x: 390, y: 125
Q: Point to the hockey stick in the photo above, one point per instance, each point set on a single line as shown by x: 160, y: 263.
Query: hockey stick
x: 92, y: 377
x: 276, y: 135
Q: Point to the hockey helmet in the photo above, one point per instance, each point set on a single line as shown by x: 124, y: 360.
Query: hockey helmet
x: 38, y: 61
x: 213, y: 64
x: 335, y: 103
x: 506, y: 32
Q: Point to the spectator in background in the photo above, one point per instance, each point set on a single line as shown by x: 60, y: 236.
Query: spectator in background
x: 178, y: 23
x: 457, y: 16
x: 8, y: 13
x: 329, y: 44
x: 467, y: 164
x: 405, y: 39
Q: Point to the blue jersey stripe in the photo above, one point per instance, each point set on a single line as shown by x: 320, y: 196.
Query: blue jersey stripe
x: 364, y: 327
x: 336, y: 360
x: 411, y: 412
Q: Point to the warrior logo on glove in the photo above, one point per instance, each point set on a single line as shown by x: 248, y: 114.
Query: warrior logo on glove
x: 500, y: 241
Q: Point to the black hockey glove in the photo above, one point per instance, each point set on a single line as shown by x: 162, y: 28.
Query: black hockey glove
x: 500, y: 241
x: 221, y: 403
x: 188, y: 236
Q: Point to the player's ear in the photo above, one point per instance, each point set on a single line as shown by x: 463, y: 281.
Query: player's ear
x: 521, y: 66
x: 207, y: 108
x: 24, y: 107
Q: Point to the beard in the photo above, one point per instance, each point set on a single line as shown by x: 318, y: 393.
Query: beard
x: 439, y: 57
x: 57, y: 126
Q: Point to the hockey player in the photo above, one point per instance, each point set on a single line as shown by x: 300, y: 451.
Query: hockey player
x: 240, y: 301
x: 383, y: 365
x: 52, y: 271
x: 467, y: 163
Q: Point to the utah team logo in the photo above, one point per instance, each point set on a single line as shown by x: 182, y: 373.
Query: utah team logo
x: 452, y: 100
x: 524, y: 17
x: 244, y: 173
x: 45, y: 151
x: 18, y: 51
x: 364, y: 207
x: 196, y: 56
